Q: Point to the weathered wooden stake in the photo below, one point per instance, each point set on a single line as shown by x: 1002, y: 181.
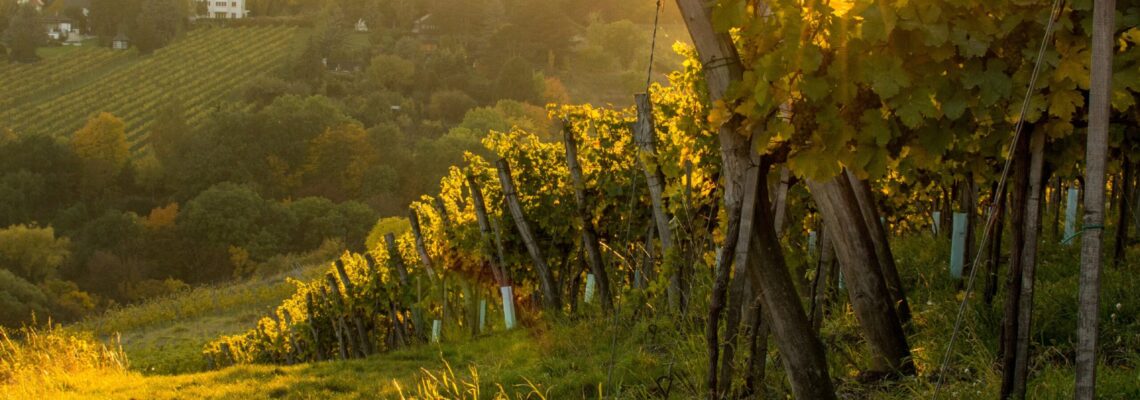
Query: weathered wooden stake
x: 421, y: 247
x: 550, y: 296
x: 338, y: 320
x: 396, y: 262
x: 645, y: 134
x: 494, y: 258
x: 310, y: 305
x: 1029, y: 263
x: 1100, y: 90
x: 589, y: 232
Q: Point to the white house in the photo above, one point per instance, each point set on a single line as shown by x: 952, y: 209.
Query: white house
x: 58, y: 28
x: 225, y: 9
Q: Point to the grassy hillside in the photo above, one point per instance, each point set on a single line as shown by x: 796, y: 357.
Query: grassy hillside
x: 166, y: 335
x: 572, y: 357
x: 57, y: 95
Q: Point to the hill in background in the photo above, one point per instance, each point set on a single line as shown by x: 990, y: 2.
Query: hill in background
x: 58, y: 95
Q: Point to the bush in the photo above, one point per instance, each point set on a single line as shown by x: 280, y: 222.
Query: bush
x: 19, y: 300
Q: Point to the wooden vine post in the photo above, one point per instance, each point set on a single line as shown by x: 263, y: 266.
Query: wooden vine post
x: 780, y: 206
x: 739, y: 289
x: 445, y: 220
x: 364, y: 347
x: 342, y: 337
x: 1100, y: 90
x: 645, y: 134
x: 550, y: 297
x: 1028, y: 263
x: 1017, y: 198
x: 866, y: 200
x: 488, y: 235
x: 870, y: 298
x: 421, y: 248
x: 993, y: 246
x: 589, y: 232
x: 802, y: 352
x: 396, y: 262
x: 311, y: 305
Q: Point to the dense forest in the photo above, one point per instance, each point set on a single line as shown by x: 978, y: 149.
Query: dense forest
x: 736, y: 199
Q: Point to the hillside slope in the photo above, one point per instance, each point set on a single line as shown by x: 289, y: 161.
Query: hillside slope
x: 166, y: 335
x: 57, y: 95
x: 636, y: 355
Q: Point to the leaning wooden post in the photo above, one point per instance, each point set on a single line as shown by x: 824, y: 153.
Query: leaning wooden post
x: 780, y: 206
x: 338, y: 320
x: 396, y: 262
x: 644, y: 134
x: 589, y: 232
x: 396, y: 259
x: 445, y: 219
x: 310, y: 305
x: 364, y: 347
x: 508, y: 294
x: 494, y: 259
x: 494, y: 256
x: 1100, y: 90
x: 821, y: 288
x: 876, y: 226
x: 739, y: 287
x: 870, y: 298
x: 546, y: 280
x: 421, y: 248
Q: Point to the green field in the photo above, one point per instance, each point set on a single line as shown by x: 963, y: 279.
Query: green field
x: 57, y: 95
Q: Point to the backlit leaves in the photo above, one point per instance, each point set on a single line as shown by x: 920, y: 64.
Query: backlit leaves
x: 886, y: 75
x: 1063, y: 104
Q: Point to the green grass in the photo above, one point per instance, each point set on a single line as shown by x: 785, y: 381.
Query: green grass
x: 552, y: 357
x: 571, y: 357
x: 55, y: 51
x: 166, y: 335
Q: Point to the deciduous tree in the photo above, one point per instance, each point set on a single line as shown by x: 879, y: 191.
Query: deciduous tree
x: 24, y: 34
x: 101, y: 146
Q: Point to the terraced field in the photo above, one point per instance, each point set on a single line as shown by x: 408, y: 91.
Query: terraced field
x: 56, y: 96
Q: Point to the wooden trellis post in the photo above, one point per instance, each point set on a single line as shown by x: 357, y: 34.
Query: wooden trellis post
x: 589, y: 232
x: 546, y: 280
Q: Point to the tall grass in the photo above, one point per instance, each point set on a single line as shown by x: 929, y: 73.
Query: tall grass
x: 444, y: 384
x: 34, y: 361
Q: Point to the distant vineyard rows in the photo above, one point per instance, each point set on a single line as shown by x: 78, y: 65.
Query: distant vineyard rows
x: 57, y: 96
